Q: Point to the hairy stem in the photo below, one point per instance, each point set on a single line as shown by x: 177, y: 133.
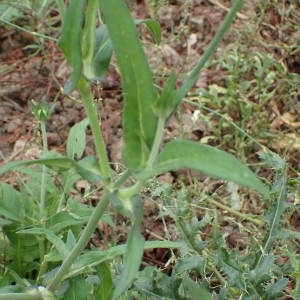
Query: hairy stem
x: 43, y: 213
x: 156, y: 142
x: 95, y: 126
x: 88, y: 37
x: 43, y: 192
x: 128, y: 192
x: 21, y: 296
x: 82, y: 242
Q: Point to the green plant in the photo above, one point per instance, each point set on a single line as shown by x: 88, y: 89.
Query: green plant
x: 33, y: 13
x: 88, y: 50
x: 248, y: 274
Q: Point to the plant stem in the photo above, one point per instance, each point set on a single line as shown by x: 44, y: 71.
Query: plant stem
x: 156, y: 142
x: 36, y: 34
x: 88, y: 37
x: 43, y: 193
x: 43, y: 213
x: 188, y: 238
x: 122, y: 179
x: 192, y: 77
x: 237, y: 213
x: 82, y: 242
x: 21, y: 296
x: 18, y: 280
x: 128, y: 192
x: 218, y: 274
x: 83, y: 86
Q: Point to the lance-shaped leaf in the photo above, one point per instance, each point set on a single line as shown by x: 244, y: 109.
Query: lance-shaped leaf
x: 167, y: 102
x: 154, y: 28
x: 70, y: 41
x: 209, y: 160
x: 134, y: 250
x: 54, y: 239
x: 77, y: 139
x: 103, y: 52
x: 95, y: 257
x: 87, y: 168
x: 96, y: 45
x: 139, y: 121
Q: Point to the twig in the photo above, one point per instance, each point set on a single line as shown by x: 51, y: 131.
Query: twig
x: 239, y: 15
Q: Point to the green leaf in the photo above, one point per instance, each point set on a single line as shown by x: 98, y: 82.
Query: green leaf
x: 195, y: 290
x: 168, y: 99
x: 71, y: 240
x: 60, y: 163
x: 70, y: 40
x: 134, y: 251
x: 277, y: 202
x: 96, y: 69
x: 78, y: 289
x: 54, y: 239
x: 76, y: 141
x: 276, y: 290
x: 153, y: 26
x: 8, y: 12
x: 11, y: 204
x: 286, y: 234
x: 209, y: 160
x: 104, y: 291
x: 103, y: 52
x: 230, y: 265
x: 272, y: 160
x: 88, y: 35
x: 65, y: 219
x: 139, y: 121
x: 96, y: 257
x: 96, y: 45
x: 87, y: 168
x: 275, y: 213
x: 4, y: 222
x: 190, y: 263
x: 263, y: 270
